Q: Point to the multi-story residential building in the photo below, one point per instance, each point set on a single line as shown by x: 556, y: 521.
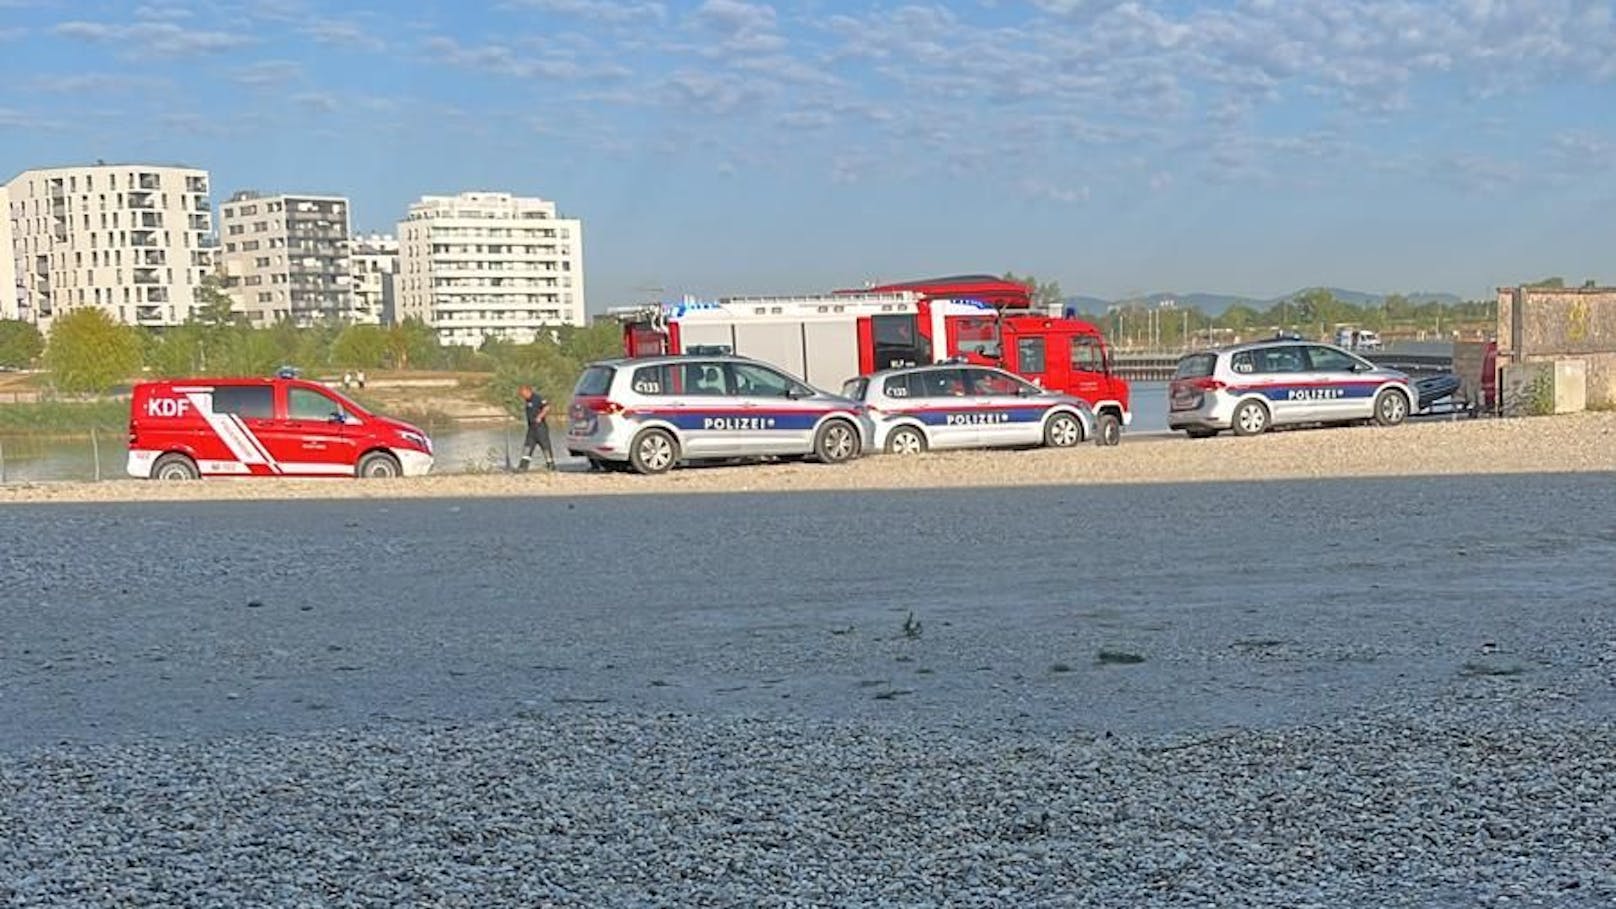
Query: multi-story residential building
x: 287, y: 257
x: 375, y: 270
x: 130, y: 239
x: 10, y: 290
x: 490, y: 265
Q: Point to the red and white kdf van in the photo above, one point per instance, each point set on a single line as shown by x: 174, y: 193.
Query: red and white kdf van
x: 182, y: 429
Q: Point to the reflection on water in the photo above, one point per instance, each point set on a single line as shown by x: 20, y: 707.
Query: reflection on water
x: 465, y: 450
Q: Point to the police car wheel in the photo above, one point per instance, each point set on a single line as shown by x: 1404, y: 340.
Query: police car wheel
x: 1107, y: 429
x: 836, y: 442
x: 1250, y: 419
x: 175, y: 467
x: 653, y: 451
x: 379, y: 465
x: 1391, y: 408
x: 906, y: 440
x: 1062, y: 431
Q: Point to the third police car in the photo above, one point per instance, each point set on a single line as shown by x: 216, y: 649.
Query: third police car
x: 1250, y: 387
x: 956, y: 406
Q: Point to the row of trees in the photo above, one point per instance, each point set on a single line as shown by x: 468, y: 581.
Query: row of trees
x: 88, y: 352
x: 1143, y: 323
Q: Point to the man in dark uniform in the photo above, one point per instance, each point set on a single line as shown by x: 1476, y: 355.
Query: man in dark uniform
x: 535, y: 410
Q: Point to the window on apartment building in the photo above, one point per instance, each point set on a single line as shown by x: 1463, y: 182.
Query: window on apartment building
x: 236, y: 229
x: 249, y: 245
x: 261, y: 262
x: 260, y: 226
x: 230, y: 247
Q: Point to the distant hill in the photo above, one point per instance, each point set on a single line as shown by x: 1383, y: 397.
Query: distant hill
x: 1216, y: 304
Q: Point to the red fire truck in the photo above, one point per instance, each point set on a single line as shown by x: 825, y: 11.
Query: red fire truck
x: 828, y: 338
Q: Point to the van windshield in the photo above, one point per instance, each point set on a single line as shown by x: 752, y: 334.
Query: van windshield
x: 1196, y: 366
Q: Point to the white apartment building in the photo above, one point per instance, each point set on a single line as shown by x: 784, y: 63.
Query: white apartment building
x: 375, y: 272
x: 131, y: 239
x: 490, y: 265
x: 287, y: 257
x: 10, y: 291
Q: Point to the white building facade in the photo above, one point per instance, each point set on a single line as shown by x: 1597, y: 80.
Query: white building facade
x: 287, y: 257
x: 375, y: 274
x: 134, y: 240
x: 490, y: 265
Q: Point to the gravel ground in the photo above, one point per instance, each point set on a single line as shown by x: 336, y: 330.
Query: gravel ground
x: 1573, y: 443
x: 1293, y: 693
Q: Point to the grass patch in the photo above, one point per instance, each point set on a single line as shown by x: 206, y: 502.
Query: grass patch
x: 1119, y: 658
x: 62, y: 417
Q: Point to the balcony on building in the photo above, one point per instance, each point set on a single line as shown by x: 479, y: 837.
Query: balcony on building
x: 149, y: 181
x: 148, y: 314
x: 143, y: 238
x: 147, y: 276
x: 156, y: 295
x: 141, y: 200
x: 201, y: 204
x: 148, y: 219
x: 151, y: 257
x: 56, y: 188
x: 200, y: 221
x: 197, y: 185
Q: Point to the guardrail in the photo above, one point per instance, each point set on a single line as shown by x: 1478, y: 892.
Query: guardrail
x: 1144, y: 367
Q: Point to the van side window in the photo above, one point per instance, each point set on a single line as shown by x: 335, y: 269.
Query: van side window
x: 651, y: 380
x: 306, y: 404
x: 252, y: 402
x: 938, y: 383
x: 1280, y: 359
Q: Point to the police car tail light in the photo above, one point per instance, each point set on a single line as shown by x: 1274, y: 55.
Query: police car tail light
x: 1207, y: 383
x: 603, y: 405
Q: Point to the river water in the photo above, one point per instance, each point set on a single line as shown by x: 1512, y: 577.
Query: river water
x: 464, y: 450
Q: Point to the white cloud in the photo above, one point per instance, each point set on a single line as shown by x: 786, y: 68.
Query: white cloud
x: 100, y: 83
x: 265, y: 73
x: 606, y: 11
x: 339, y: 33
x: 162, y: 39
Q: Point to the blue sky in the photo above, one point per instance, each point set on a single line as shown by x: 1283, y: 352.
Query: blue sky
x: 728, y: 146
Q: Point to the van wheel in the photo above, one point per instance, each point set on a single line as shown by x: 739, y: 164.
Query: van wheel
x: 836, y: 442
x: 379, y: 465
x: 653, y: 451
x: 1250, y: 418
x: 906, y: 440
x: 1062, y: 431
x: 1107, y: 429
x: 174, y: 466
x: 1391, y: 408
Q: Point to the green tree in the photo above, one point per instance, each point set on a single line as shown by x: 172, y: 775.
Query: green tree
x: 1045, y: 295
x: 412, y: 344
x: 88, y: 352
x: 1550, y: 283
x: 214, y: 307
x: 360, y: 347
x: 177, y: 351
x: 20, y: 343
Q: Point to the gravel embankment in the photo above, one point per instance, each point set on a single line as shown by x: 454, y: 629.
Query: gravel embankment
x: 1574, y: 443
x: 1414, y: 808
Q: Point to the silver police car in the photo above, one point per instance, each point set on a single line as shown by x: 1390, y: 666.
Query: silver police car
x: 1248, y: 388
x: 918, y: 408
x: 651, y: 413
